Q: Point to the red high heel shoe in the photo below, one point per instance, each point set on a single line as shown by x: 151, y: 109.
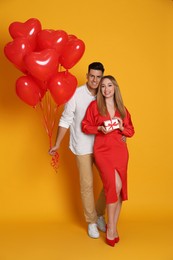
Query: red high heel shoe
x: 116, y: 239
x: 110, y: 242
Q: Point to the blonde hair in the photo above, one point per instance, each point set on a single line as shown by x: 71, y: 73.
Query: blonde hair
x: 117, y: 98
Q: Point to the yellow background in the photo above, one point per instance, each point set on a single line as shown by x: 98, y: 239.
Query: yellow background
x: 134, y: 41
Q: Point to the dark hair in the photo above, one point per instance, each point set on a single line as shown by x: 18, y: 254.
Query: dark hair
x: 96, y: 66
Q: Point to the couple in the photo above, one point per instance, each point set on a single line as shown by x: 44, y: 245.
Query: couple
x: 85, y: 114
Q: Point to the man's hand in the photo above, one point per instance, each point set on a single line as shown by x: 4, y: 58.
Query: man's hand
x: 52, y: 151
x: 123, y: 138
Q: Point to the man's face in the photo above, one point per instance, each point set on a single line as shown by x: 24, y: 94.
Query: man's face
x: 93, y: 78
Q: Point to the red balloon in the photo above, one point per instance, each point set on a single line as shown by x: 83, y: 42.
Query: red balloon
x: 62, y: 87
x: 28, y: 29
x: 42, y: 84
x: 42, y: 65
x: 16, y: 50
x: 71, y: 37
x: 72, y: 53
x: 50, y: 39
x: 42, y: 93
x: 28, y: 91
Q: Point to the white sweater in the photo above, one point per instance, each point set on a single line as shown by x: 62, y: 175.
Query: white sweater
x: 72, y: 116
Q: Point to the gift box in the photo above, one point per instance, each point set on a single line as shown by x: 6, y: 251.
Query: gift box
x: 111, y: 124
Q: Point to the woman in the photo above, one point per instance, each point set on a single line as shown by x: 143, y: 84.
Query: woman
x: 110, y: 151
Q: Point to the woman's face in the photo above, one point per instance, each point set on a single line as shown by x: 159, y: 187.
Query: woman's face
x: 107, y: 88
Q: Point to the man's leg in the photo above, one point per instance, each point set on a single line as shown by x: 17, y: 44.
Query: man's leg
x: 100, y: 209
x: 85, y: 163
x: 101, y: 201
x: 101, y: 204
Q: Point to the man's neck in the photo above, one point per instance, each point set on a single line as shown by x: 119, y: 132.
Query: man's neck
x: 91, y: 90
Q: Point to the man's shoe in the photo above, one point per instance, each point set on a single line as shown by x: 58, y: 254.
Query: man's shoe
x: 101, y: 224
x: 93, y: 231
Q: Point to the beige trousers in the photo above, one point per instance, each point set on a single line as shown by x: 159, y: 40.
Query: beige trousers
x: 91, y: 211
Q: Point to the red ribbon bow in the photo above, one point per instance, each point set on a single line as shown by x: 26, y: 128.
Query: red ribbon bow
x: 111, y: 125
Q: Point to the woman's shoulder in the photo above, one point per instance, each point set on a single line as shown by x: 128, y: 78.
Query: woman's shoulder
x: 93, y: 104
x: 127, y: 111
x: 128, y: 114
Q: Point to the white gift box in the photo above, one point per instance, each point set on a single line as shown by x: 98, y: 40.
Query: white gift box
x: 111, y: 124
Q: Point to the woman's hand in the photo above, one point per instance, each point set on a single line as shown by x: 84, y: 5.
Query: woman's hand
x: 52, y: 151
x: 120, y: 121
x: 102, y: 129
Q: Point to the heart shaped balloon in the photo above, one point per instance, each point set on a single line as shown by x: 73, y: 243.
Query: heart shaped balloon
x: 16, y: 50
x: 72, y: 53
x: 28, y: 29
x: 42, y: 65
x: 62, y: 87
x: 72, y: 37
x: 47, y: 39
x: 28, y: 91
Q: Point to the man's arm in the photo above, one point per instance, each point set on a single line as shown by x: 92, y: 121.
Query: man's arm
x: 64, y: 124
x: 60, y: 135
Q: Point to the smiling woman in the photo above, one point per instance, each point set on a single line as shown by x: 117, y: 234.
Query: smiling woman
x: 110, y: 151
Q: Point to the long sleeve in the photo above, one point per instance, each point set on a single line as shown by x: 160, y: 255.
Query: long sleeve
x: 128, y: 125
x: 68, y: 113
x: 89, y: 125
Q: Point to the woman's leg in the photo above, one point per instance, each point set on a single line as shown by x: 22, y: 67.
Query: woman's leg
x: 117, y: 213
x: 113, y: 210
x: 119, y: 202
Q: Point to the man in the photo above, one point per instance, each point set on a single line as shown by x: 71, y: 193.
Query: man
x: 82, y: 146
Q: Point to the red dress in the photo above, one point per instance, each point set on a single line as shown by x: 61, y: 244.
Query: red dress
x: 110, y: 151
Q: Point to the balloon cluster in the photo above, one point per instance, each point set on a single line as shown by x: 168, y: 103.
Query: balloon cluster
x: 40, y: 55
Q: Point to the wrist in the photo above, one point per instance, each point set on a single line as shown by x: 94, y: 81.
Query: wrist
x: 57, y: 146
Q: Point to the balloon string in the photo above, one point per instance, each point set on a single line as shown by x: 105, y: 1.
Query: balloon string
x: 45, y: 121
x: 49, y: 115
x: 54, y: 161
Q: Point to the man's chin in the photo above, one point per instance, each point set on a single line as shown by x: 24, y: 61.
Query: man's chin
x: 94, y: 86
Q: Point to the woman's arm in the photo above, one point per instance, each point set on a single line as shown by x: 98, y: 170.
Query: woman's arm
x: 128, y: 128
x: 88, y: 124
